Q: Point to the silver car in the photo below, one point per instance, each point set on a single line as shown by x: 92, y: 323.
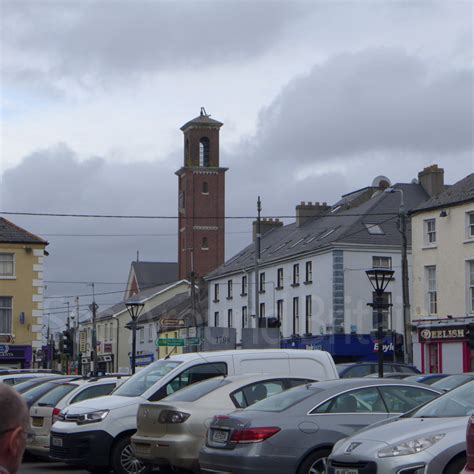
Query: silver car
x: 295, y: 431
x: 429, y: 440
x: 173, y: 431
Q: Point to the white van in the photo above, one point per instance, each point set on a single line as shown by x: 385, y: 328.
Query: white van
x: 96, y: 433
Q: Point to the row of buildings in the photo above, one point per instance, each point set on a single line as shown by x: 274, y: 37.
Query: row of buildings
x: 305, y: 278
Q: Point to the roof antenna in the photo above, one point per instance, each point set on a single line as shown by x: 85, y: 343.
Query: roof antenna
x: 138, y: 255
x: 204, y: 113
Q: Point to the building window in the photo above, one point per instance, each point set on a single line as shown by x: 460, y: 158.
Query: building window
x: 182, y: 200
x: 470, y: 225
x: 150, y: 333
x: 280, y: 278
x: 309, y: 272
x: 430, y: 231
x: 205, y: 244
x: 432, y: 297
x: 471, y: 286
x: 216, y: 292
x: 309, y: 312
x: 229, y: 289
x: 245, y: 316
x: 374, y: 229
x: 262, y: 282
x: 261, y: 314
x: 386, y: 313
x: 205, y: 187
x: 244, y: 285
x: 296, y: 315
x: 6, y: 312
x: 7, y: 265
x: 280, y: 310
x: 142, y: 335
x: 204, y: 152
x: 296, y: 274
x: 229, y: 318
x: 216, y: 319
x: 381, y: 262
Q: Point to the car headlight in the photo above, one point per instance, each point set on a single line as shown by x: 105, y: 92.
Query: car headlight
x: 412, y: 446
x: 92, y: 417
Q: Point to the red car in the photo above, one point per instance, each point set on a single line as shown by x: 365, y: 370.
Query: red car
x: 470, y: 446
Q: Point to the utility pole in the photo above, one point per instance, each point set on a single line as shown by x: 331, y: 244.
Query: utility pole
x: 77, y: 357
x: 93, y: 308
x: 257, y: 262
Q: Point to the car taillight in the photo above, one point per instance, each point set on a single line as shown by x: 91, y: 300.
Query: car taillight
x: 56, y: 413
x: 253, y: 435
x: 172, y: 416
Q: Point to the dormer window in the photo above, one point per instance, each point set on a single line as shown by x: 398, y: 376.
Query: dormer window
x: 205, y: 244
x: 205, y: 187
x: 204, y: 152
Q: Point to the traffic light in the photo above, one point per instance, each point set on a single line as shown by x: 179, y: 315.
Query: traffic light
x: 470, y: 335
x: 68, y: 344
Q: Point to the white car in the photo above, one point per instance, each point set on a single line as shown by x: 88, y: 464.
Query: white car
x: 96, y: 433
x: 46, y: 410
x: 16, y: 378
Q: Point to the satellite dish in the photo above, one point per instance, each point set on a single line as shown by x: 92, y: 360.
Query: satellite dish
x: 381, y: 182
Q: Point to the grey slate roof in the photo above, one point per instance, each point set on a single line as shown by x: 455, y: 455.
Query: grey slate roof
x: 462, y: 191
x: 202, y: 121
x: 342, y: 226
x: 150, y: 274
x: 10, y: 233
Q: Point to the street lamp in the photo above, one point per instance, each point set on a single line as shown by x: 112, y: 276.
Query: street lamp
x: 379, y: 279
x: 134, y: 308
x: 408, y: 347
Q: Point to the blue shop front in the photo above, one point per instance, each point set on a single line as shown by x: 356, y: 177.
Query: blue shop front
x: 143, y: 359
x: 348, y: 347
x: 15, y: 356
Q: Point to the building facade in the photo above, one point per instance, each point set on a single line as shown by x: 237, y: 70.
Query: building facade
x: 201, y: 199
x: 21, y: 295
x: 311, y: 274
x: 443, y: 279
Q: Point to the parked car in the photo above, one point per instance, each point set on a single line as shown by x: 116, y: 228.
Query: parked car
x: 427, y: 379
x: 295, y: 431
x: 35, y: 393
x: 18, y: 377
x: 47, y: 409
x: 389, y: 375
x: 469, y: 467
x: 428, y: 440
x: 183, y: 418
x: 28, y: 384
x: 97, y: 432
x: 362, y: 369
x: 453, y: 381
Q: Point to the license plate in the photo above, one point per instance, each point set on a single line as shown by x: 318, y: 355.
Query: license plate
x: 142, y: 448
x: 220, y: 436
x: 37, y: 421
x: 345, y: 471
x: 57, y: 442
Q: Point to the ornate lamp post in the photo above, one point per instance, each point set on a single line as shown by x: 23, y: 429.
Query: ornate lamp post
x: 134, y: 308
x: 379, y: 279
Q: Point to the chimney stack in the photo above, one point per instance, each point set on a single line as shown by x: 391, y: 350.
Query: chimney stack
x: 308, y: 211
x: 432, y: 180
x: 265, y: 226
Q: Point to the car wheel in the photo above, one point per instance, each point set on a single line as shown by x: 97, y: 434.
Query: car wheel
x: 315, y: 463
x: 456, y: 465
x: 124, y: 461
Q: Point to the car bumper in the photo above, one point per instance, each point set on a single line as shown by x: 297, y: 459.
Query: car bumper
x: 39, y: 445
x: 179, y: 450
x: 249, y: 460
x: 90, y: 448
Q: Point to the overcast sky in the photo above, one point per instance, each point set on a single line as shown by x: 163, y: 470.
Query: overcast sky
x: 317, y: 98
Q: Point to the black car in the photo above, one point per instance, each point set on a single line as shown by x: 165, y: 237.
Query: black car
x: 362, y: 369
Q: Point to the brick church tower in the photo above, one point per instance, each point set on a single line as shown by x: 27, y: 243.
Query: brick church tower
x: 201, y: 201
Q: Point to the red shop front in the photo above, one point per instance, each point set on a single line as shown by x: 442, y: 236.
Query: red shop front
x: 443, y: 347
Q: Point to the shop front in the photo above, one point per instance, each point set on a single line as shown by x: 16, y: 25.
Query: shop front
x: 15, y: 356
x: 143, y: 359
x: 349, y: 347
x: 443, y: 347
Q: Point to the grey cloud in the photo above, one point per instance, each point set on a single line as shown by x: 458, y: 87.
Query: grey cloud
x: 377, y: 99
x: 101, y: 39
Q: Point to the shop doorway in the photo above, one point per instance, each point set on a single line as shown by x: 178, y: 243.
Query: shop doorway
x: 434, y: 359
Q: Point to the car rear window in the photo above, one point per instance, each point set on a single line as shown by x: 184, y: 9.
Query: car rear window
x: 51, y: 398
x: 452, y: 381
x: 196, y: 391
x: 37, y: 392
x: 284, y: 400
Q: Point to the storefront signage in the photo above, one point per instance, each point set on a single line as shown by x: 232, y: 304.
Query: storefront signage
x: 4, y: 348
x: 173, y: 322
x: 82, y: 341
x: 441, y: 333
x: 170, y: 342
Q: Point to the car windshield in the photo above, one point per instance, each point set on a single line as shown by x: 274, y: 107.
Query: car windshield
x: 284, y: 400
x: 458, y: 402
x: 452, y: 381
x: 341, y: 367
x: 139, y: 383
x: 196, y: 391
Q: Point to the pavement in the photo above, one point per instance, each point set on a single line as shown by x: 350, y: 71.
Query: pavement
x: 40, y: 467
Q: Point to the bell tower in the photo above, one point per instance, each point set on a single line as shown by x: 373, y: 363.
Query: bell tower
x: 201, y: 199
